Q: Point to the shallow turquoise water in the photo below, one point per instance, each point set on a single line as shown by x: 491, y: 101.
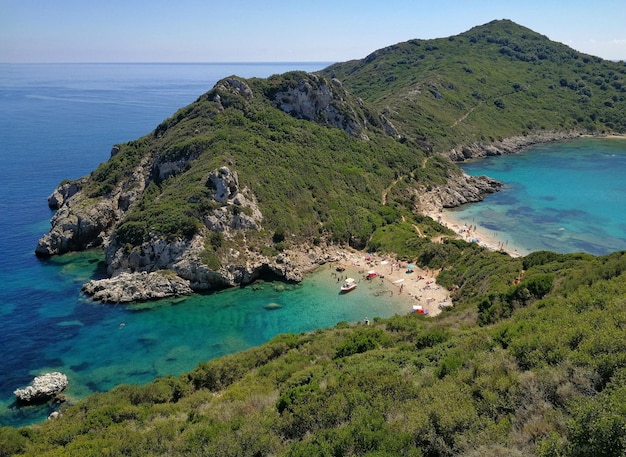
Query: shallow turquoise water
x: 563, y: 197
x: 99, y: 346
x: 60, y: 121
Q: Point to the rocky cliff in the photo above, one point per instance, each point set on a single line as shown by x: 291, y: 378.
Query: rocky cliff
x: 316, y: 99
x: 459, y: 190
x: 99, y: 210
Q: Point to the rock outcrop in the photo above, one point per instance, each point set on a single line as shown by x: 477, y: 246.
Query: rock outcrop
x: 42, y: 389
x: 83, y: 222
x: 314, y: 98
x: 63, y: 192
x: 76, y: 229
x: 508, y: 145
x: 135, y: 287
x: 459, y: 190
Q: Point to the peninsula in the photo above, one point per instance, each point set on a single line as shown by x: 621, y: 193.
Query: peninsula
x: 256, y: 172
x: 267, y: 176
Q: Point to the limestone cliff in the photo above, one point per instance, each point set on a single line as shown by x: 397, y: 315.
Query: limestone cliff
x: 100, y: 210
x: 459, y: 190
x: 316, y: 99
x: 172, y: 216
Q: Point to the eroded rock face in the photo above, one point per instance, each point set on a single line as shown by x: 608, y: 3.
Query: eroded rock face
x: 82, y: 222
x: 64, y: 192
x: 314, y: 99
x: 457, y: 191
x: 134, y: 287
x: 235, y: 86
x: 42, y: 389
x: 78, y: 229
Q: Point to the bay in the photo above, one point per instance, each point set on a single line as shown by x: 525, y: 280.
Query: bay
x: 59, y: 121
x: 564, y: 197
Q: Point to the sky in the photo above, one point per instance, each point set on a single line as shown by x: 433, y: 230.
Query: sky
x: 45, y: 31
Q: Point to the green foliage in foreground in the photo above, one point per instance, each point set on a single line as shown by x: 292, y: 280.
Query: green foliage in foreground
x: 546, y: 378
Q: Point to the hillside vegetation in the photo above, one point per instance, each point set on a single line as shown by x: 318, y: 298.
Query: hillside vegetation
x: 530, y: 361
x: 489, y: 83
x: 310, y: 179
x: 535, y: 368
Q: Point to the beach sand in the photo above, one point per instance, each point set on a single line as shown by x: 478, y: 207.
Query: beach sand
x: 481, y: 236
x: 418, y: 286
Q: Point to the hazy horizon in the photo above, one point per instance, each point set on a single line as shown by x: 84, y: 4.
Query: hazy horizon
x: 196, y: 31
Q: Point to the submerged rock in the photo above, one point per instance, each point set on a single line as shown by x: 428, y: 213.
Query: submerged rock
x: 42, y: 389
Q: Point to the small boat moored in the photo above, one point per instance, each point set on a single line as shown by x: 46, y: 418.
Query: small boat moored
x: 371, y: 275
x: 348, y: 285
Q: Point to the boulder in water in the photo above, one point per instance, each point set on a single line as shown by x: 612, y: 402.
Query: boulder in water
x: 42, y: 389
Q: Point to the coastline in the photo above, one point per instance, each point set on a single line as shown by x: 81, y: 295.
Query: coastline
x: 487, y: 238
x: 417, y: 286
x: 477, y: 234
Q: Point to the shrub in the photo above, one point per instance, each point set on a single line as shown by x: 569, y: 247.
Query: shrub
x: 362, y: 340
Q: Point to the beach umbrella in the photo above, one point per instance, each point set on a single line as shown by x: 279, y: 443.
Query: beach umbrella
x: 410, y: 266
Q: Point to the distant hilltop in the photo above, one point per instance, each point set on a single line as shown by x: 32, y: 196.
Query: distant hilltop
x: 255, y: 173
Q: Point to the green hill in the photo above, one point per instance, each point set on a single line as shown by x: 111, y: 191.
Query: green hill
x: 530, y: 361
x: 491, y: 82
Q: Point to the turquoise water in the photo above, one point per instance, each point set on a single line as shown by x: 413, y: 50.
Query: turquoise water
x: 60, y: 121
x: 564, y: 197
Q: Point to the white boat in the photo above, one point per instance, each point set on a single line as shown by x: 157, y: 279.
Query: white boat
x: 348, y: 285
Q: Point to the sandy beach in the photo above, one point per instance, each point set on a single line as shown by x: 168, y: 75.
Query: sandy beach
x: 419, y: 287
x: 416, y: 285
x: 473, y: 233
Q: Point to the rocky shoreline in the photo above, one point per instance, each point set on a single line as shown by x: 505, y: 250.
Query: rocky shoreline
x: 509, y: 145
x: 160, y: 268
x: 125, y: 287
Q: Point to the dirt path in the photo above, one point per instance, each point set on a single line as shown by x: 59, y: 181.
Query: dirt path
x: 462, y: 118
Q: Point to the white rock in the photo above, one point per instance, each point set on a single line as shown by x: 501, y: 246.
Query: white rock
x: 43, y: 388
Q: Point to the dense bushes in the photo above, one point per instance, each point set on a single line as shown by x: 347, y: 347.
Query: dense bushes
x: 362, y: 340
x: 548, y: 380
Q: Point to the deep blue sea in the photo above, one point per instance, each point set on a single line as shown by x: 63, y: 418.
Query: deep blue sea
x: 60, y: 121
x: 563, y: 197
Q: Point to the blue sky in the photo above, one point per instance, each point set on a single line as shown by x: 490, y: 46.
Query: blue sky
x: 274, y: 31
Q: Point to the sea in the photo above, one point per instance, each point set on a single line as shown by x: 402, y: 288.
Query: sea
x: 59, y: 121
x: 564, y: 197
